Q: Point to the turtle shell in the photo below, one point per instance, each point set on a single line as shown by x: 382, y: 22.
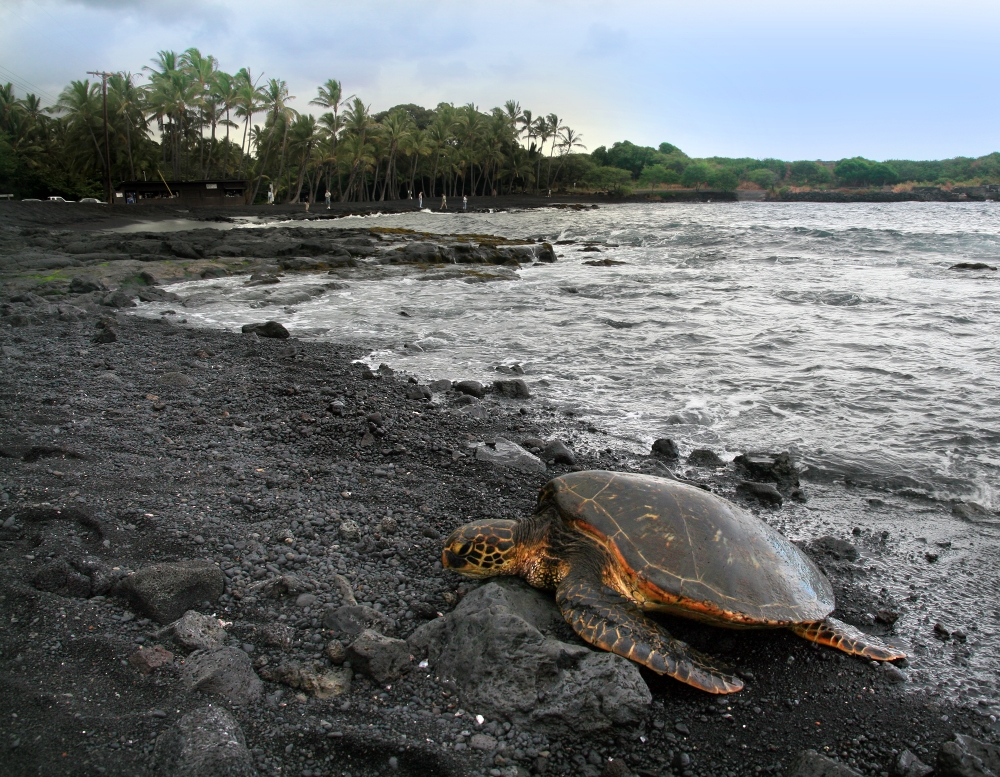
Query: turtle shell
x: 685, y: 550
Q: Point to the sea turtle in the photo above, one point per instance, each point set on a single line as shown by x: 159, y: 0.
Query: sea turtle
x: 614, y: 545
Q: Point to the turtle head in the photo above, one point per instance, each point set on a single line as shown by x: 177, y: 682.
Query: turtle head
x: 482, y: 549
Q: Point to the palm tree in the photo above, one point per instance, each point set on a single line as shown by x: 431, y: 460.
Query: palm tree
x: 543, y: 132
x: 127, y: 106
x: 201, y: 71
x: 170, y: 95
x: 439, y: 136
x: 226, y: 93
x: 249, y: 101
x: 358, y: 124
x: 512, y: 113
x: 569, y: 140
x: 416, y: 146
x: 303, y: 138
x: 275, y: 101
x: 81, y: 102
x: 331, y: 95
x: 331, y: 125
x: 396, y: 128
x: 357, y: 154
x: 469, y: 127
x: 555, y: 126
x: 8, y: 104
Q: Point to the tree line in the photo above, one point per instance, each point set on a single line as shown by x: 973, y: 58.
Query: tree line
x: 191, y: 120
x: 183, y: 118
x: 626, y: 165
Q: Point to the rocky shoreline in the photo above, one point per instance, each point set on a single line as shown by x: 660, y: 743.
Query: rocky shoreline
x: 221, y: 555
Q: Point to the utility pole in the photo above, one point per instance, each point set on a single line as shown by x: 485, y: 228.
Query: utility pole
x: 107, y: 145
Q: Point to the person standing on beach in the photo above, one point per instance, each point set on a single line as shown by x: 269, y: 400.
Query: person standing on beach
x: 444, y: 202
x: 420, y: 201
x: 307, y: 203
x: 270, y: 194
x: 328, y: 199
x: 465, y: 203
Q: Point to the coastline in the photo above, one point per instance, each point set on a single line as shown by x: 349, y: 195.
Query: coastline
x: 78, y: 216
x: 249, y: 437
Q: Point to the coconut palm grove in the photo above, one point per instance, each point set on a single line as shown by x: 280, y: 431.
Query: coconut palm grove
x: 183, y: 118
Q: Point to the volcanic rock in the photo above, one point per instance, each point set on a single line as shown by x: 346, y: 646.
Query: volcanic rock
x: 559, y: 452
x: 968, y: 757
x: 59, y: 577
x: 270, y: 329
x: 166, y: 591
x: 769, y: 468
x: 666, y: 448
x: 504, y: 453
x: 315, y: 678
x: 703, y: 457
x: 176, y: 379
x: 812, y: 764
x: 226, y: 673
x: 908, y: 765
x: 514, y: 389
x: 352, y: 619
x: 205, y: 743
x: 972, y: 266
x: 118, y: 299
x: 83, y: 284
x: 494, y: 647
x: 764, y: 493
x: 834, y: 547
x: 471, y: 387
x: 149, y: 659
x: 195, y: 631
x: 382, y: 658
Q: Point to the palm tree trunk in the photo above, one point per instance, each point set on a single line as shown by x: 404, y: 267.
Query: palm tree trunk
x: 281, y: 164
x: 211, y: 148
x: 260, y: 173
x: 302, y: 174
x: 244, y: 154
x: 225, y: 162
x: 128, y: 145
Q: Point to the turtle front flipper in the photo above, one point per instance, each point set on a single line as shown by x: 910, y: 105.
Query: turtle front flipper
x: 838, y: 634
x: 608, y: 620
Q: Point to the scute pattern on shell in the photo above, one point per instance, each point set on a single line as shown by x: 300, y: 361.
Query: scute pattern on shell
x: 685, y: 550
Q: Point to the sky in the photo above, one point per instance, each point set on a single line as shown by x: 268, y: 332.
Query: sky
x: 823, y: 79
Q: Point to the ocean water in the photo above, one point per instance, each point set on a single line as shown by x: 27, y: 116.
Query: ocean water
x: 837, y: 332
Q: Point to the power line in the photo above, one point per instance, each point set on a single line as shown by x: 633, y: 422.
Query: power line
x: 25, y: 84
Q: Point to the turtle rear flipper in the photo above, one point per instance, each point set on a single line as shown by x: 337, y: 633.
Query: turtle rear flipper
x: 837, y: 634
x: 608, y: 620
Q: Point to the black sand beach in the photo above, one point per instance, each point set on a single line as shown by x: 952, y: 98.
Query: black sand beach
x: 296, y: 502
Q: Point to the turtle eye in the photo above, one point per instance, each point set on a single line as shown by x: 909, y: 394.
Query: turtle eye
x: 465, y: 549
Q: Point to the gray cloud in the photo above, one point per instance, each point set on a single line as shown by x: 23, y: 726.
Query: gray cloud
x: 772, y: 77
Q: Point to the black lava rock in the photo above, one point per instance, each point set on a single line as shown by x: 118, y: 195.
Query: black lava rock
x: 666, y: 448
x: 703, y: 457
x: 166, y: 591
x: 267, y: 329
x: 204, y: 743
x: 515, y: 389
x: 471, y: 387
x: 968, y: 757
x: 769, y: 468
x: 764, y: 493
x: 835, y: 548
x: 972, y: 266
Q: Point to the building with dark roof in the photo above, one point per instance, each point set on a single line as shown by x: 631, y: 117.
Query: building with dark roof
x: 195, y: 193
